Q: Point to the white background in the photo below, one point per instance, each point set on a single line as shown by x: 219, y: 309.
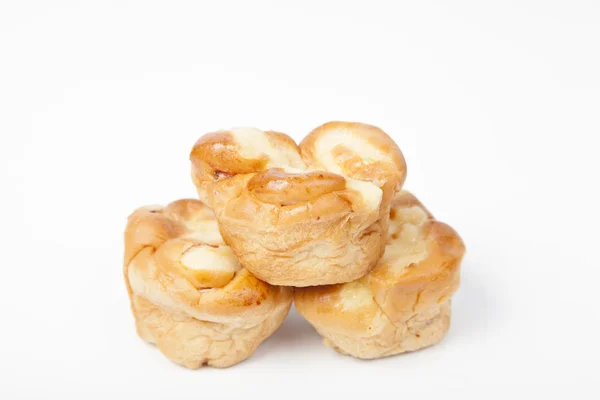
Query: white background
x: 495, y: 104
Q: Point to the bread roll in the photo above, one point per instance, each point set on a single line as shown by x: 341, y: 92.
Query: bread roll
x: 189, y: 295
x: 305, y: 215
x: 404, y: 303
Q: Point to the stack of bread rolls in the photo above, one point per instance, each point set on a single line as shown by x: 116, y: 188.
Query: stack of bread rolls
x: 325, y: 224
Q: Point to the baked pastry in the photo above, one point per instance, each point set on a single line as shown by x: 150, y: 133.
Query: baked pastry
x: 189, y: 295
x: 404, y: 303
x: 305, y: 215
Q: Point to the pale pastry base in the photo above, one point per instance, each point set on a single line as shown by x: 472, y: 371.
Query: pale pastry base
x: 422, y: 330
x: 193, y: 343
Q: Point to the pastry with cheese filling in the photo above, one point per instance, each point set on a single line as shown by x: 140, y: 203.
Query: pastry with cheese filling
x: 189, y: 295
x: 403, y: 304
x: 301, y: 215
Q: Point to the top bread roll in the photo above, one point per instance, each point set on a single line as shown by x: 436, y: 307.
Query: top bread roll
x: 305, y: 215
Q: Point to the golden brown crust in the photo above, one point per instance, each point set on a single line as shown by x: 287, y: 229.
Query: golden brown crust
x: 384, y: 163
x: 220, y: 152
x: 275, y: 186
x: 279, y: 139
x: 404, y: 200
x: 184, y: 282
x: 274, y: 211
x: 413, y: 281
x: 193, y: 343
x: 417, y: 286
x: 421, y: 330
x: 218, y: 155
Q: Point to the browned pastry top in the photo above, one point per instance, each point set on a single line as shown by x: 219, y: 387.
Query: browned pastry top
x: 176, y: 258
